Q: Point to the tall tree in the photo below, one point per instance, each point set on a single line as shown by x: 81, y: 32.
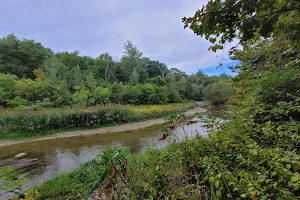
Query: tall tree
x: 21, y: 57
x: 107, y: 64
x: 177, y: 73
x: 73, y: 59
x: 131, y: 60
x: 155, y: 68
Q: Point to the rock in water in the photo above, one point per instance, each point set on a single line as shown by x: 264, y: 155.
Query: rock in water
x: 20, y: 155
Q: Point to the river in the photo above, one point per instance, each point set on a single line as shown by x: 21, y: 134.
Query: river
x: 46, y: 159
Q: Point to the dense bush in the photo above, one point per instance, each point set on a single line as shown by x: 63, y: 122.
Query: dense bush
x: 279, y: 85
x: 219, y: 92
x: 228, y: 165
x: 27, y: 123
x: 81, y: 182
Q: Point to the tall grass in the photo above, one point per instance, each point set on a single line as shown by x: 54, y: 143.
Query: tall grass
x: 22, y: 124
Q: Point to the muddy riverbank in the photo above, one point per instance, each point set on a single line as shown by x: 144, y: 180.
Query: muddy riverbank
x: 116, y: 128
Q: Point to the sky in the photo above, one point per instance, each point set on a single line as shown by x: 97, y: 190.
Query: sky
x: 96, y: 26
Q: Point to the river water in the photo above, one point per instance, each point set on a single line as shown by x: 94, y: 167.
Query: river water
x: 46, y: 159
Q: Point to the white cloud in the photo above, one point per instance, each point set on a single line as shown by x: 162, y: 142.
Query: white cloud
x: 98, y: 26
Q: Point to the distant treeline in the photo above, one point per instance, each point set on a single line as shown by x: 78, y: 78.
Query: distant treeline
x: 34, y: 76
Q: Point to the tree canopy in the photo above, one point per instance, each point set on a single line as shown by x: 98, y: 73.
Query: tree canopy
x: 221, y: 21
x: 34, y: 76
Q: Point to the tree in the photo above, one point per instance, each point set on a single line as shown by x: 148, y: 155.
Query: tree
x: 21, y: 57
x: 198, y: 78
x: 75, y: 77
x: 225, y: 76
x: 102, y: 95
x: 90, y: 80
x: 116, y: 89
x: 74, y: 59
x: 32, y: 90
x: 174, y: 96
x: 197, y: 92
x: 218, y: 93
x: 61, y: 94
x: 131, y: 50
x: 177, y: 73
x: 39, y: 74
x: 182, y: 86
x: 155, y: 68
x: 135, y: 76
x: 68, y: 78
x: 55, y: 71
x: 81, y: 98
x: 7, y: 83
x: 104, y: 67
x: 162, y: 94
x: 148, y: 94
x: 223, y: 20
x: 131, y: 61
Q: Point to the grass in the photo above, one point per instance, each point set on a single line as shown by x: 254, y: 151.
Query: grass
x: 37, y: 123
x: 229, y: 164
x: 77, y: 184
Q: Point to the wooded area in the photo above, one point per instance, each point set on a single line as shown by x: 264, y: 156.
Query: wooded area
x: 32, y: 75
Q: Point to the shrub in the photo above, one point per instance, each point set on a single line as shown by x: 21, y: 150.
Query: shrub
x: 279, y: 86
x: 32, y: 90
x: 26, y: 123
x: 162, y: 94
x: 81, y: 98
x: 101, y: 95
x: 218, y: 93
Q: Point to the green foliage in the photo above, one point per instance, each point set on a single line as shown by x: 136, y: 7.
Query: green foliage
x: 7, y: 83
x: 279, y: 86
x: 255, y: 154
x: 174, y: 95
x: 161, y: 95
x: 11, y: 181
x: 81, y: 97
x: 223, y: 20
x: 73, y: 59
x: 104, y: 67
x: 155, y: 68
x: 229, y: 164
x: 32, y: 90
x: 46, y: 79
x: 26, y: 123
x: 218, y: 93
x: 102, y: 95
x: 61, y: 95
x: 82, y: 182
x: 21, y: 57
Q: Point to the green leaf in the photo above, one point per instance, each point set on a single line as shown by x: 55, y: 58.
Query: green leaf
x: 288, y: 166
x: 294, y: 179
x: 296, y: 187
x: 243, y: 195
x: 231, y: 183
x: 217, y: 184
x: 219, y: 194
x: 212, y: 40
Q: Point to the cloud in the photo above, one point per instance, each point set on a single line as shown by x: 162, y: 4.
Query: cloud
x: 97, y: 26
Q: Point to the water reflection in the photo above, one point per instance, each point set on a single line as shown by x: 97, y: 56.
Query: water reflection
x: 49, y: 158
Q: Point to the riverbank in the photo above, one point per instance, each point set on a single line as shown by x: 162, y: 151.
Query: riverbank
x: 198, y: 168
x: 112, y: 128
